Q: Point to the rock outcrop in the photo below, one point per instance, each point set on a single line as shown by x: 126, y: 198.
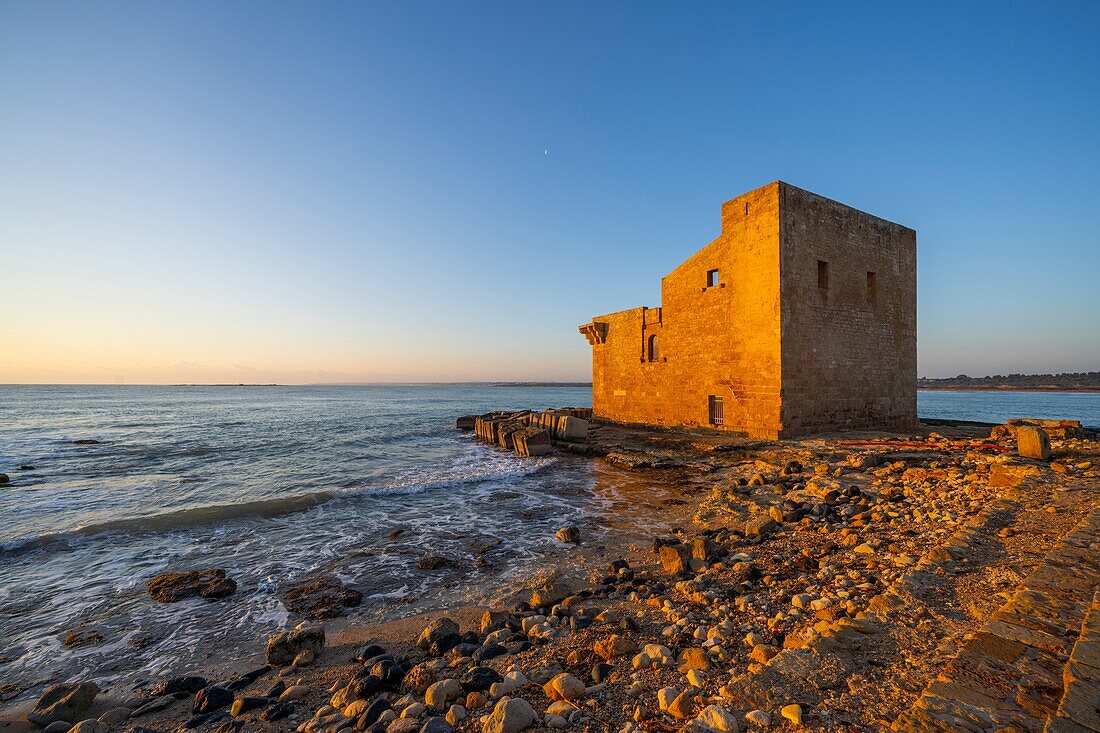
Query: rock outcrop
x: 210, y: 584
x: 65, y: 701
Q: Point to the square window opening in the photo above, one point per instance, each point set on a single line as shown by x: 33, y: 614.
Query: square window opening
x: 712, y: 278
x: 823, y: 274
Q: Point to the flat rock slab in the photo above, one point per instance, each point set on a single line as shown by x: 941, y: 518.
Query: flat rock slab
x: 63, y: 702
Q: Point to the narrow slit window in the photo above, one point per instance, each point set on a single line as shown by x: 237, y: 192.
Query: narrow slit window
x: 823, y: 274
x: 714, y: 407
x: 712, y: 278
x: 872, y: 288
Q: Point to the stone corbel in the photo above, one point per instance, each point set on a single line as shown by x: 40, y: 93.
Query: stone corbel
x: 596, y: 333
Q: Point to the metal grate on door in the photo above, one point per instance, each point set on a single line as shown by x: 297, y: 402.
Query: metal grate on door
x: 716, y: 413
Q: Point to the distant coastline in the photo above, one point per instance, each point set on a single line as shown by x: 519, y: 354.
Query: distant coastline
x: 1006, y: 388
x: 1067, y: 382
x: 213, y: 385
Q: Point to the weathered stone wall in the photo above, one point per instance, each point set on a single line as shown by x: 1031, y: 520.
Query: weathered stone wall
x: 724, y: 340
x: 721, y: 340
x: 624, y: 384
x: 766, y: 332
x: 849, y: 349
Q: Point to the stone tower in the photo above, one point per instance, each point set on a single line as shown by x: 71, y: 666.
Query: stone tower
x: 799, y: 317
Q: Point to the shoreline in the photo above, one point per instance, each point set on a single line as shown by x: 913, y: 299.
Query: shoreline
x: 710, y: 484
x: 615, y: 532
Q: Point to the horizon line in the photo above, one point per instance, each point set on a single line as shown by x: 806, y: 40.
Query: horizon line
x: 396, y: 383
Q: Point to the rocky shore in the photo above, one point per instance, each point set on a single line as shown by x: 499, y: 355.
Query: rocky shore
x: 944, y: 580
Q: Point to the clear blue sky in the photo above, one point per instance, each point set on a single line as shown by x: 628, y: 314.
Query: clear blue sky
x: 385, y: 191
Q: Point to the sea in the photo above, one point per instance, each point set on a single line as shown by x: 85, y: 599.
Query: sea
x: 279, y: 484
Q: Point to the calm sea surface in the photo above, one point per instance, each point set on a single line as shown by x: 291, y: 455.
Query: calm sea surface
x: 282, y: 483
x: 996, y: 407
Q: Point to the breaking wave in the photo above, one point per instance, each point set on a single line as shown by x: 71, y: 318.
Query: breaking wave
x: 464, y: 470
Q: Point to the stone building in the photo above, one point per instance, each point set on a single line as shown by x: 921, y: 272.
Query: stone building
x: 800, y: 317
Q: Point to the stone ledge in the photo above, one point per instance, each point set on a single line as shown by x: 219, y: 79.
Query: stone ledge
x: 1008, y: 672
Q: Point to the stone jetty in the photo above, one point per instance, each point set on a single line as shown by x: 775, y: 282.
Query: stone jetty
x: 530, y: 433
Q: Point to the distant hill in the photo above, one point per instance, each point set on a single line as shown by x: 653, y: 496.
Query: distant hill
x: 1069, y: 382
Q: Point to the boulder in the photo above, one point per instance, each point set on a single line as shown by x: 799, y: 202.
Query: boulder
x: 420, y: 678
x: 153, y: 706
x: 114, y: 716
x: 189, y: 684
x: 373, y: 712
x: 283, y: 647
x: 704, y: 548
x: 436, y: 725
x: 564, y: 687
x: 90, y: 726
x: 359, y: 688
x: 210, y: 584
x: 276, y: 690
x: 294, y: 692
x: 403, y: 725
x: 758, y: 718
x: 479, y: 678
x: 683, y: 705
x: 792, y: 713
x: 717, y: 718
x: 601, y: 672
x: 759, y: 526
x: 493, y: 620
x: 570, y: 535
x: 437, y: 635
x: 248, y: 704
x: 439, y: 695
x: 211, y: 698
x: 613, y: 647
x: 277, y: 711
x: 511, y: 715
x: 551, y: 590
x: 693, y: 658
x: 320, y: 598
x: 389, y: 673
x: 1033, y: 442
x: 435, y: 562
x: 675, y: 558
x: 65, y: 701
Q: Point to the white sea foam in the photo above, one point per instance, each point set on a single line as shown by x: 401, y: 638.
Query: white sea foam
x: 274, y: 487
